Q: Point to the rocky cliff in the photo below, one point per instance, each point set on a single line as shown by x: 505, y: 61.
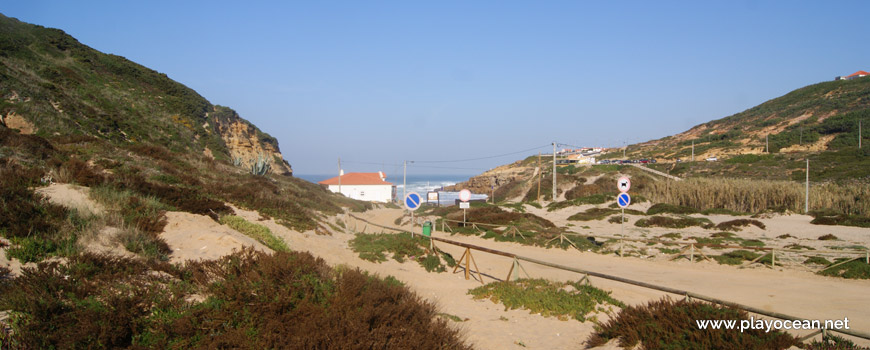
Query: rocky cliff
x: 245, y: 142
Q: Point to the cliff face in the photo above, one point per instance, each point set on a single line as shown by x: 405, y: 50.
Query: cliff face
x: 51, y: 85
x: 500, y: 176
x: 245, y: 143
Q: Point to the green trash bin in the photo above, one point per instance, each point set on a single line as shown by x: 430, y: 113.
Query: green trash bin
x: 427, y: 229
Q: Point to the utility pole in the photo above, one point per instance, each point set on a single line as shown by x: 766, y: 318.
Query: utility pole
x: 859, y: 134
x: 540, y: 176
x: 339, y: 175
x: 404, y: 179
x: 492, y: 190
x: 623, y: 149
x: 693, y: 150
x: 554, y: 172
x: 807, y: 196
x: 766, y: 145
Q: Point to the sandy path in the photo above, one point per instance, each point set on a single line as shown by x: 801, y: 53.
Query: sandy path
x: 793, y: 292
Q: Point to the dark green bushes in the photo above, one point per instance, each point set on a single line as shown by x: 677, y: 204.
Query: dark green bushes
x: 669, y: 222
x: 246, y: 300
x: 735, y: 225
x: 660, y: 208
x: 673, y: 325
x: 373, y: 247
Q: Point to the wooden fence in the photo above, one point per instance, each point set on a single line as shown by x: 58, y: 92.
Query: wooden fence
x: 515, y: 267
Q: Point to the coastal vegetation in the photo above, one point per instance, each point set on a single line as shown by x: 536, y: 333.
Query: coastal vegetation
x: 248, y: 299
x: 564, y: 300
x: 673, y: 323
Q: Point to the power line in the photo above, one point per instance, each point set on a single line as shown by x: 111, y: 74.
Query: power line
x: 480, y: 158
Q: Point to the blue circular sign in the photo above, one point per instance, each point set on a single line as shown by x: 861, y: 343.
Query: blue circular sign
x: 413, y: 201
x: 623, y: 199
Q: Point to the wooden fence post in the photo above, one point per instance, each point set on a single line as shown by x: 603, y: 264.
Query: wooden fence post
x: 692, y: 253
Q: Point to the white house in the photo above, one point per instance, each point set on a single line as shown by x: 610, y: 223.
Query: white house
x: 362, y: 186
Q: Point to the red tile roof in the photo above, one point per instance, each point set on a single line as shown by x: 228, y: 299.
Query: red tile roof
x: 860, y: 72
x: 357, y: 179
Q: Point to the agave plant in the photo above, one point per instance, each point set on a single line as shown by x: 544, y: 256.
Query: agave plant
x: 262, y: 166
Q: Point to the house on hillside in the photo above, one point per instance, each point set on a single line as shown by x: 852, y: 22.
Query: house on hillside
x: 362, y: 186
x: 856, y: 75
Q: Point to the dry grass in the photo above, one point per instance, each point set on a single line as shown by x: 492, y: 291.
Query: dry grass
x: 754, y: 196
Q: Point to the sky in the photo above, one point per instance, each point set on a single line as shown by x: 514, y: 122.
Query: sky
x: 471, y: 84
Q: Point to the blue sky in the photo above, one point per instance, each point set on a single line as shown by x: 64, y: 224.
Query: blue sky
x: 381, y: 81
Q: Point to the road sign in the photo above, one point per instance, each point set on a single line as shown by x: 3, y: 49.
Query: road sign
x: 465, y: 195
x: 623, y: 199
x: 412, y: 201
x: 623, y: 184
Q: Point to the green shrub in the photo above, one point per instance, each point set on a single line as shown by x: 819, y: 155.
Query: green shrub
x: 256, y: 231
x: 832, y: 218
x: 735, y: 225
x: 559, y: 299
x: 673, y: 325
x: 660, y: 208
x: 855, y: 269
x: 669, y: 222
x: 401, y: 246
x: 735, y: 257
x: 817, y: 260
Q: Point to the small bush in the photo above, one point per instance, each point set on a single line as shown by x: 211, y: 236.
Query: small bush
x: 572, y: 299
x: 723, y: 211
x: 672, y: 235
x: 735, y: 225
x: 673, y: 324
x: 855, y: 269
x: 660, y: 208
x: 616, y: 219
x: 669, y: 222
x: 735, y: 257
x: 817, y: 260
x: 828, y: 237
x: 833, y: 218
x: 401, y: 246
x: 833, y: 342
x: 256, y: 231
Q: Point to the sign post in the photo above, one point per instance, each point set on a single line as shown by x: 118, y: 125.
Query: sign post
x: 464, y: 196
x: 413, y: 202
x: 623, y: 200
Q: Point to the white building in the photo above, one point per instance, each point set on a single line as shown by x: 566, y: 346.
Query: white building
x: 362, y: 186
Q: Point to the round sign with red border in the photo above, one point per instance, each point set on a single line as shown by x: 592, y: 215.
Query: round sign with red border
x: 623, y: 184
x: 465, y: 195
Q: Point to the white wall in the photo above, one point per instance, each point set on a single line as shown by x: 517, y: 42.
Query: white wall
x: 373, y: 193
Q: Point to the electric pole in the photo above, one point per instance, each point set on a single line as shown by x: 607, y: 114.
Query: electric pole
x: 540, y: 176
x: 339, y: 175
x: 859, y: 134
x: 807, y: 196
x: 693, y: 150
x: 404, y: 179
x: 623, y: 149
x: 554, y: 172
x: 766, y: 145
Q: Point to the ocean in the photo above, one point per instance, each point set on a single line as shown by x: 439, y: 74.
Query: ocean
x: 421, y: 184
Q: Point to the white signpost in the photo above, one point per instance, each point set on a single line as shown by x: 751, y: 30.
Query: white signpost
x: 464, y: 196
x: 413, y: 201
x: 623, y: 184
x: 623, y: 200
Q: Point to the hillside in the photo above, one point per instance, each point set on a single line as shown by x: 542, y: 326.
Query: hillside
x: 815, y: 118
x: 53, y: 85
